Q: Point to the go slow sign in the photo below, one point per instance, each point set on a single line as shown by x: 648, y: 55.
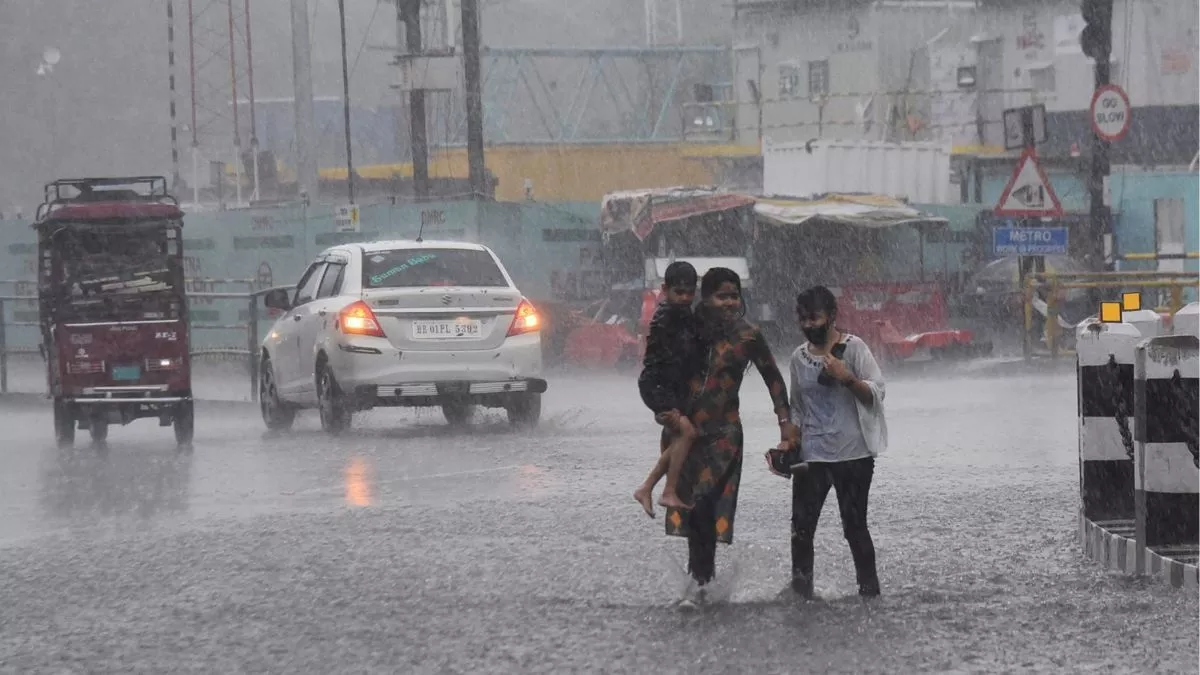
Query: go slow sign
x: 1111, y: 113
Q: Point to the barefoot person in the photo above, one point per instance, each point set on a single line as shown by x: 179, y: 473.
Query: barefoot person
x: 712, y: 469
x: 837, y: 404
x: 673, y: 357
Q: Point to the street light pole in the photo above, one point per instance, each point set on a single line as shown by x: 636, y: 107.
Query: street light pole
x: 346, y: 104
x: 409, y: 12
x: 305, y: 128
x: 474, y: 95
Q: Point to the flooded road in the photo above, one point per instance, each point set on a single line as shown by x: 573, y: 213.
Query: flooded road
x: 408, y: 547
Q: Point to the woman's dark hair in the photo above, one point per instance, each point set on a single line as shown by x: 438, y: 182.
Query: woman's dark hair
x: 680, y: 274
x: 715, y: 277
x: 816, y: 299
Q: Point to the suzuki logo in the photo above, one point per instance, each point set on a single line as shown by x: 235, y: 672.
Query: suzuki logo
x: 445, y: 300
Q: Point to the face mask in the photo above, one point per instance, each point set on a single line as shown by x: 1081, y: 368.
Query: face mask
x: 817, y: 334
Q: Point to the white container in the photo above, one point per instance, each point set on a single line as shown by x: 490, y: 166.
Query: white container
x: 1147, y: 321
x: 917, y: 172
x: 1187, y: 320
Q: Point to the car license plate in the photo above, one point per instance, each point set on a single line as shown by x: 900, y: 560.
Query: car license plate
x: 126, y: 372
x: 462, y: 329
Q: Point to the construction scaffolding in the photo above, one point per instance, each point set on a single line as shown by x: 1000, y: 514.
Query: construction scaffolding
x: 566, y: 95
x: 220, y: 74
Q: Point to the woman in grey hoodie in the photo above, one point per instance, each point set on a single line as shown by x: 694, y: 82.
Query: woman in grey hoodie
x: 836, y: 402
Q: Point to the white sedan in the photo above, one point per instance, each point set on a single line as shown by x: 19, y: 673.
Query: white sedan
x: 402, y: 323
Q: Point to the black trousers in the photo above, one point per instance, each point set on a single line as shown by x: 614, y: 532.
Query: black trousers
x: 702, y: 528
x: 852, y: 482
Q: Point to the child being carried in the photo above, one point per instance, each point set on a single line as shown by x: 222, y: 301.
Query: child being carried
x: 674, y: 355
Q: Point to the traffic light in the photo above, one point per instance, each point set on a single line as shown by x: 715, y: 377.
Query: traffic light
x: 1096, y: 38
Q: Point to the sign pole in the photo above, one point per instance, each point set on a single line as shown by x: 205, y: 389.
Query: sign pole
x: 1034, y: 263
x: 1028, y: 199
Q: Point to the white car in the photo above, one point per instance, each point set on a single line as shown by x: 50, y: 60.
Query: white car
x: 402, y: 323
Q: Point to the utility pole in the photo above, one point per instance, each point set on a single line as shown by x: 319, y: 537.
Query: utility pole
x: 409, y: 13
x: 171, y: 81
x: 346, y: 104
x: 1096, y: 41
x: 305, y: 131
x: 474, y: 96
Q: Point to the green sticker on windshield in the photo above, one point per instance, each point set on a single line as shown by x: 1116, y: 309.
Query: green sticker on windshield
x: 407, y: 264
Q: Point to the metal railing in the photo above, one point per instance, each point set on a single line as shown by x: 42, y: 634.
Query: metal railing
x: 251, y: 328
x: 1055, y: 287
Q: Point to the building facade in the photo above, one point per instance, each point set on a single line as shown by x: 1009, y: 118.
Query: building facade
x: 946, y: 70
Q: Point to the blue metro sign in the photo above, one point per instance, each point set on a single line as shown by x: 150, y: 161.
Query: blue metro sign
x: 1030, y: 240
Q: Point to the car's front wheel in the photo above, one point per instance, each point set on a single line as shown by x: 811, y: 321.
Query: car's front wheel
x: 336, y: 414
x: 277, y: 415
x: 524, y: 410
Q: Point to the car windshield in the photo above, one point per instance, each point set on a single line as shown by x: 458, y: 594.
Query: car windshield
x: 419, y: 268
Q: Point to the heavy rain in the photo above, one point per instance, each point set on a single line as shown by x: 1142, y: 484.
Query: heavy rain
x: 634, y: 336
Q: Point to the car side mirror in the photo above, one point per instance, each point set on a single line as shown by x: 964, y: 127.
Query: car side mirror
x: 277, y: 298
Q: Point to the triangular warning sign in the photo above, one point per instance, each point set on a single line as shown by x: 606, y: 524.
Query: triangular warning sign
x: 1028, y: 193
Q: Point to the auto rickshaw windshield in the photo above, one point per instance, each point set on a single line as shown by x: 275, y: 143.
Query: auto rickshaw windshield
x: 116, y: 272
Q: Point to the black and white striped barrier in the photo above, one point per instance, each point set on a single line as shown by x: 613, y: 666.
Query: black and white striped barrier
x: 1105, y: 354
x: 1167, y: 464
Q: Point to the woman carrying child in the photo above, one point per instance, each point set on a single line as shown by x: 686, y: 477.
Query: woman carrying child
x: 712, y: 468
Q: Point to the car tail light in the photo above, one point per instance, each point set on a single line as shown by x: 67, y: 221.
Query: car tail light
x: 358, y: 319
x: 85, y: 367
x: 162, y: 364
x: 527, y: 320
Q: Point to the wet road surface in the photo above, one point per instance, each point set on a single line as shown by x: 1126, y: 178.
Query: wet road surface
x: 408, y: 547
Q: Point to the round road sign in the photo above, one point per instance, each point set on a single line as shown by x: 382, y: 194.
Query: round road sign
x: 1111, y: 113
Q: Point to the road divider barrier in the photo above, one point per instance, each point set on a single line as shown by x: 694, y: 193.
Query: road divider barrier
x: 1167, y: 471
x: 1139, y: 466
x: 1105, y: 354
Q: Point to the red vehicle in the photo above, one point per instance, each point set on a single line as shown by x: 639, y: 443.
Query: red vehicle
x: 113, y: 313
x: 644, y: 231
x: 905, y: 322
x: 863, y: 247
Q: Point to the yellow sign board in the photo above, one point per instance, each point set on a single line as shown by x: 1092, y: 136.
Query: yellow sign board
x: 1113, y: 312
x: 1110, y: 312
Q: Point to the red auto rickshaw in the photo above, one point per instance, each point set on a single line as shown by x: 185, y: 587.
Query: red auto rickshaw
x: 113, y: 312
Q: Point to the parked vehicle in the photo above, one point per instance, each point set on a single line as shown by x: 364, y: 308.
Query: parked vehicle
x: 848, y: 242
x: 112, y: 307
x: 402, y: 323
x: 644, y: 231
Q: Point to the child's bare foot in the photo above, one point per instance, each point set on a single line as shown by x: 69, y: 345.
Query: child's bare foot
x: 644, y: 497
x: 671, y: 501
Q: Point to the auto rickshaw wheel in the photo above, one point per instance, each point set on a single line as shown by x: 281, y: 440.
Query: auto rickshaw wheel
x: 64, y: 424
x: 458, y: 413
x: 185, y: 424
x: 98, y: 428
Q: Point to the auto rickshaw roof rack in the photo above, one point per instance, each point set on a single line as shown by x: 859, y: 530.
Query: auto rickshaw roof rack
x: 135, y: 189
